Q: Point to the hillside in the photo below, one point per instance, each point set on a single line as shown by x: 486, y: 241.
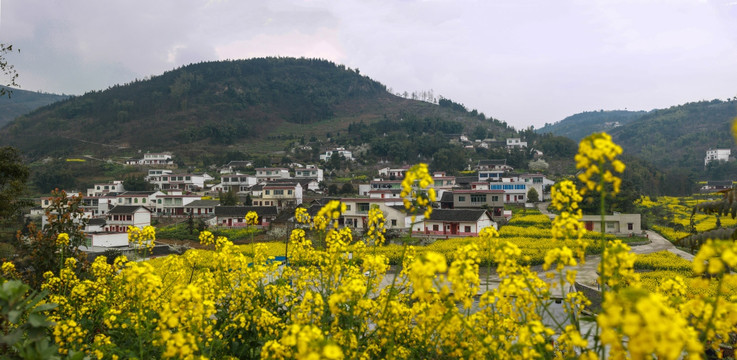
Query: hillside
x: 580, y: 125
x: 678, y: 137
x: 23, y: 102
x: 243, y: 105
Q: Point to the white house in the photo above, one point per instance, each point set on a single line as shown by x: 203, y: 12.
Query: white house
x: 516, y: 143
x: 143, y: 198
x: 346, y: 154
x: 201, y: 207
x: 279, y: 194
x: 164, y: 158
x: 150, y: 159
x: 173, y: 204
x: 615, y: 224
x: 120, y: 217
x: 185, y: 182
x: 101, y: 189
x: 239, y: 182
x: 457, y: 222
x: 717, y: 155
x: 309, y: 172
x: 235, y: 216
x: 268, y: 174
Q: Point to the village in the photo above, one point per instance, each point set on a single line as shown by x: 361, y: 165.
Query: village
x: 465, y: 204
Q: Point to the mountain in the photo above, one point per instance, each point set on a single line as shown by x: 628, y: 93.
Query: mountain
x: 678, y: 137
x: 22, y: 102
x: 253, y: 106
x: 580, y: 125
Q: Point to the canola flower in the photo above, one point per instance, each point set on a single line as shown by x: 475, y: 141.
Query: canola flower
x: 332, y: 301
x: 417, y: 193
x: 597, y: 156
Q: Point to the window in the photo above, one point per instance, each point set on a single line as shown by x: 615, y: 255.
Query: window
x: 461, y: 198
x: 495, y: 198
x: 348, y: 207
x: 135, y: 200
x: 508, y: 187
x: 496, y: 187
x: 610, y: 225
x: 435, y: 227
x: 268, y: 192
x: 519, y: 187
x: 143, y: 200
x: 394, y: 222
x: 478, y: 198
x: 278, y: 192
x: 467, y: 229
x: 630, y: 226
x: 159, y: 201
x: 483, y: 175
x: 363, y: 207
x: 289, y: 192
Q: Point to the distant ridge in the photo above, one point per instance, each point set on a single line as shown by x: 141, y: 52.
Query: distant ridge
x: 22, y: 102
x: 253, y: 105
x: 580, y: 125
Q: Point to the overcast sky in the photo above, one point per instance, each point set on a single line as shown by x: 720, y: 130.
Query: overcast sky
x: 524, y: 62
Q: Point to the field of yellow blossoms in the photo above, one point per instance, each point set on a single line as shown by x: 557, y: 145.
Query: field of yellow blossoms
x: 671, y: 216
x: 336, y: 298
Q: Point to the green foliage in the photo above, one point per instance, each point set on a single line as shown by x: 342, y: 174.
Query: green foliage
x: 229, y: 198
x: 578, y: 126
x: 532, y: 195
x: 37, y: 249
x: 676, y: 139
x: 24, y: 325
x: 23, y: 102
x: 13, y: 177
x: 137, y: 183
x: 181, y: 232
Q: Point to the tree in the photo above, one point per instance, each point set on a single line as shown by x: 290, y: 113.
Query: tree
x: 228, y: 198
x: 347, y: 188
x: 39, y: 251
x: 13, y: 177
x: 7, y: 70
x: 479, y: 133
x: 532, y: 195
x: 137, y: 183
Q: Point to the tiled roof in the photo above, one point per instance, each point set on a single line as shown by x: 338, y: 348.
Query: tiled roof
x: 456, y: 214
x: 202, y: 203
x: 241, y: 211
x: 126, y: 209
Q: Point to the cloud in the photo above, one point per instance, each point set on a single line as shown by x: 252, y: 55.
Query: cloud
x: 496, y: 56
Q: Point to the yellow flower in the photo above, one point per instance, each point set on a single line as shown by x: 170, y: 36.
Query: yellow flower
x: 62, y: 239
x: 251, y: 218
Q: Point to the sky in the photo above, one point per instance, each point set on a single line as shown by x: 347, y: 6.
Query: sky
x: 526, y: 62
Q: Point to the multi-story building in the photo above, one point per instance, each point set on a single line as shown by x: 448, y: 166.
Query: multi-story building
x: 174, y: 204
x: 279, y: 194
x: 101, y: 189
x: 241, y: 183
x: 120, y: 217
x: 717, y: 155
x: 516, y: 143
x: 268, y: 174
x: 346, y: 154
x: 183, y: 182
x: 309, y: 172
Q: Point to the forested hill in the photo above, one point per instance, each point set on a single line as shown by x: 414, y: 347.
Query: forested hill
x: 22, y: 102
x: 580, y: 125
x: 210, y: 106
x: 678, y: 137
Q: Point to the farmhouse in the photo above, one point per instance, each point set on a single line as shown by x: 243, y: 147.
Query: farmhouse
x: 457, y: 222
